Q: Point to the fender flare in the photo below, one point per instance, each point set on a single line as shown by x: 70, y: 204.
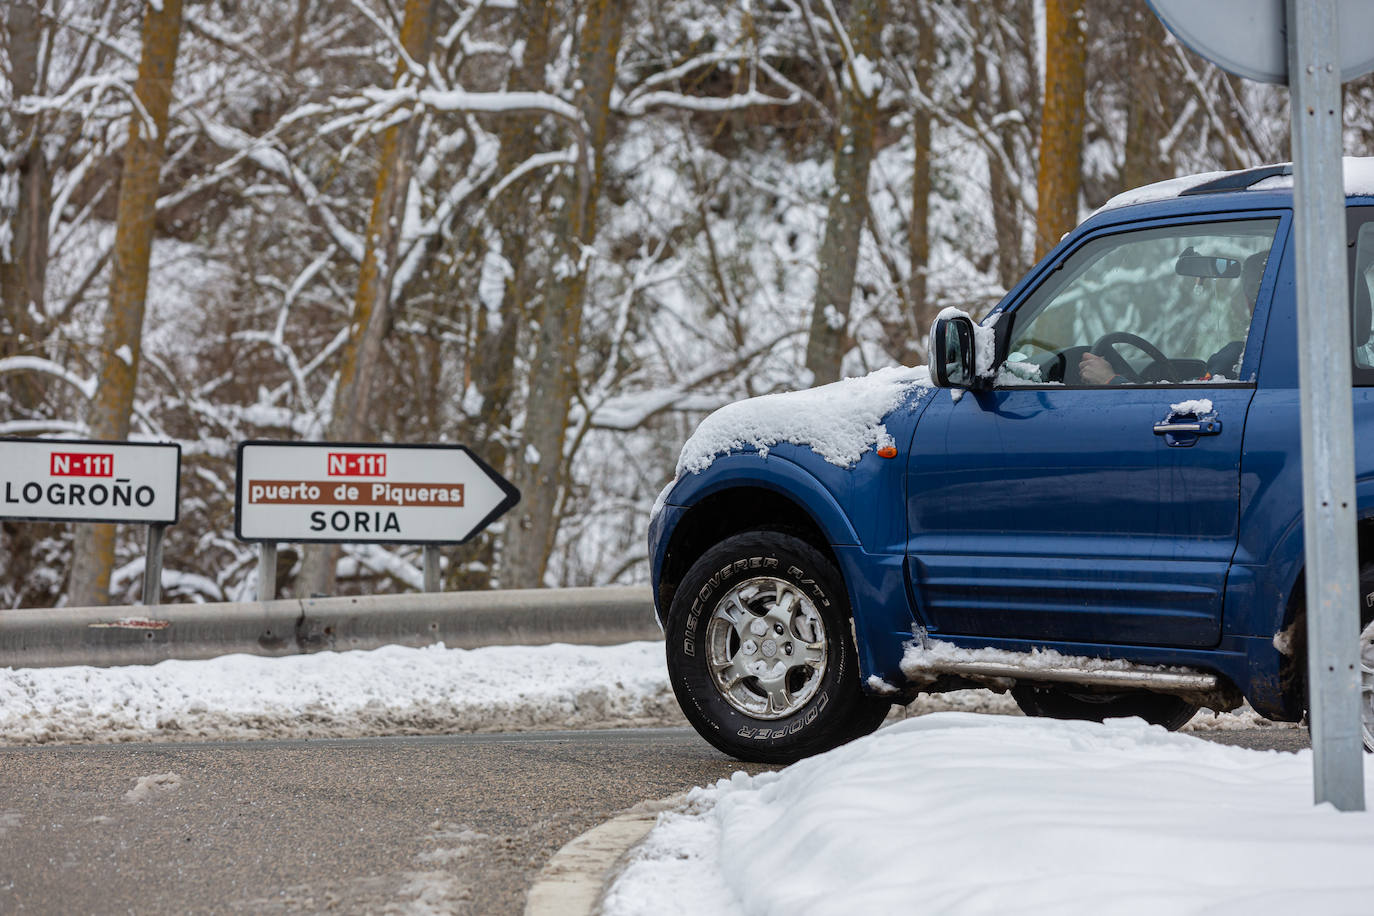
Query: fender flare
x: 784, y: 477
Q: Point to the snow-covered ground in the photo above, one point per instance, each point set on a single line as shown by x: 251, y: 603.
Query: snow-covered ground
x: 954, y: 813
x: 389, y: 691
x: 385, y: 692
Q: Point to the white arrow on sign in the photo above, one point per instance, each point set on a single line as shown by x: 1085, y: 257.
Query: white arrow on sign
x: 360, y: 493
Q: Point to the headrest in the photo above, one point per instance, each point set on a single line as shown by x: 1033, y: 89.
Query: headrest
x: 1360, y: 332
x: 1251, y: 274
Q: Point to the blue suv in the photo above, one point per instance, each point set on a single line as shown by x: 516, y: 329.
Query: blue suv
x: 1093, y: 499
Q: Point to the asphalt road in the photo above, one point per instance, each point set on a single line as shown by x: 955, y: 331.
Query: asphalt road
x: 394, y: 825
x: 457, y: 824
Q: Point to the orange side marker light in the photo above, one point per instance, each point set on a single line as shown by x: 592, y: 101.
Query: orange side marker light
x: 887, y: 451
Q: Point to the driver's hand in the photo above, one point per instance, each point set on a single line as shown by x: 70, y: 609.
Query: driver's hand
x: 1095, y: 370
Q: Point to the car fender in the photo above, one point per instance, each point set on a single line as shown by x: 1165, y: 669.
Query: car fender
x: 771, y: 472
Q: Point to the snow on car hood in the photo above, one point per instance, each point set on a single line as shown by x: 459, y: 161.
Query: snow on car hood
x: 840, y: 421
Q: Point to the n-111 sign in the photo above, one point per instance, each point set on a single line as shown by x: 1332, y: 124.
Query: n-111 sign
x: 77, y: 480
x: 360, y: 494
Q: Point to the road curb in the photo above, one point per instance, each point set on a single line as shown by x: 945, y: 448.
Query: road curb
x: 572, y: 882
x: 103, y: 636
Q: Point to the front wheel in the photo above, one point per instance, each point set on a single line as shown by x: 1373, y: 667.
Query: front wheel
x: 1063, y: 702
x: 759, y: 653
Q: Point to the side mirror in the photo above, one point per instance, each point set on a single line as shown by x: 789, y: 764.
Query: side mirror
x: 951, y: 352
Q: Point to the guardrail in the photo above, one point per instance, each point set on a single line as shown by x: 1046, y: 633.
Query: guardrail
x: 139, y: 635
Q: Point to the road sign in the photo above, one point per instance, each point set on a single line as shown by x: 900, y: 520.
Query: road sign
x: 1322, y: 42
x: 365, y: 494
x: 1250, y: 37
x: 73, y: 480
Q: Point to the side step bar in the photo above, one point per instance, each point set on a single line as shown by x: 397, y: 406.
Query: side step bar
x: 1127, y: 677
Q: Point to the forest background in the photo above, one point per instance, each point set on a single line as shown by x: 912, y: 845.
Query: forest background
x: 556, y: 231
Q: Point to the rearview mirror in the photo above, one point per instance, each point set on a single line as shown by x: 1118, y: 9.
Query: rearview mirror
x: 1192, y: 264
x: 951, y: 352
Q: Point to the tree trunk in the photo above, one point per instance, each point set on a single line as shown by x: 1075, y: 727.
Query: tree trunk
x: 517, y: 215
x: 293, y: 58
x: 135, y: 222
x: 1061, y: 131
x: 1141, y: 164
x: 541, y: 468
x: 24, y: 261
x: 371, y: 306
x: 922, y: 310
x: 839, y: 254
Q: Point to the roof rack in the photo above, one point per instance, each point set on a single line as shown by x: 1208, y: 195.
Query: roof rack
x: 1238, y: 181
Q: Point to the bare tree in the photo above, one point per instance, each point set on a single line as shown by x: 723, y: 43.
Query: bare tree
x: 553, y: 368
x: 1061, y: 130
x: 24, y: 257
x: 918, y: 236
x: 517, y: 214
x: 371, y: 319
x: 848, y: 208
x: 1144, y: 49
x: 122, y: 341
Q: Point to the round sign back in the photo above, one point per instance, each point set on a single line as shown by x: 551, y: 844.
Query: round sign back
x: 1249, y: 37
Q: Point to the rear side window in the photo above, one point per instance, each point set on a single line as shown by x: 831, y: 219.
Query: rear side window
x: 1361, y: 286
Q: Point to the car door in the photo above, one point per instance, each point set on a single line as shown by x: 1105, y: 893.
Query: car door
x: 1063, y: 505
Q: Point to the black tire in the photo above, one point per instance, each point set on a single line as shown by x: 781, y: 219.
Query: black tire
x: 820, y: 703
x: 1366, y: 654
x: 1366, y: 660
x: 1056, y: 701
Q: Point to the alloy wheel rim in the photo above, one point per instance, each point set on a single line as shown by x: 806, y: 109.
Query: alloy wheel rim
x: 766, y: 648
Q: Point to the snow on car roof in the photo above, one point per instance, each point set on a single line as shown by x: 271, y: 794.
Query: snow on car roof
x: 1359, y: 182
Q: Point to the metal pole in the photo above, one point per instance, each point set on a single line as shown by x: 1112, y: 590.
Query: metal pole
x: 152, y: 566
x: 432, y: 583
x: 1328, y: 443
x: 267, y: 570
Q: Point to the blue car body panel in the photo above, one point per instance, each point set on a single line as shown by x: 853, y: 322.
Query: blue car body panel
x: 1040, y: 517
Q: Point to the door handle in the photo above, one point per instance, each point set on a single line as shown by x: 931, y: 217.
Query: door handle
x: 1188, y: 427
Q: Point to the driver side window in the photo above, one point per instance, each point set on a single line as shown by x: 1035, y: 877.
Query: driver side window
x: 1157, y: 306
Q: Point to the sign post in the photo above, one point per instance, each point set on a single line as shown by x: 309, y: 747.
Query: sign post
x: 1328, y: 439
x: 356, y: 493
x: 77, y: 480
x: 267, y: 570
x: 152, y: 566
x: 1326, y: 42
x: 432, y: 568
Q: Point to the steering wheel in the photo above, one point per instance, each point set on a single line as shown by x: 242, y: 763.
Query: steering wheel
x: 1103, y: 347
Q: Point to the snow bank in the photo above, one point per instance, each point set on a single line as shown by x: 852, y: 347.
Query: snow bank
x: 393, y: 690
x: 955, y: 813
x: 385, y: 692
x: 840, y: 421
